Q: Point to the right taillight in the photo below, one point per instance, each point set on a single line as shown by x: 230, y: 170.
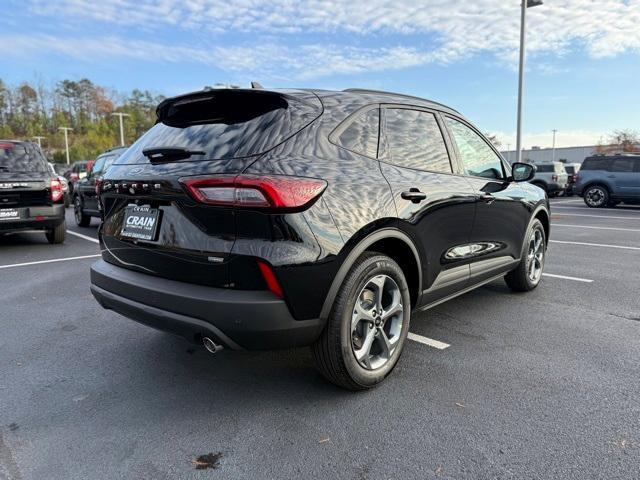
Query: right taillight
x: 255, y: 191
x: 56, y: 190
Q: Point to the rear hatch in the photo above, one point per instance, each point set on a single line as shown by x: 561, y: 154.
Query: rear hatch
x: 24, y: 180
x: 151, y: 223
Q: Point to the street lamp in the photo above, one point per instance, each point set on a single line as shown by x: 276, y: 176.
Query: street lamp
x: 39, y: 138
x: 66, y: 130
x: 553, y: 148
x: 121, y: 116
x: 523, y: 17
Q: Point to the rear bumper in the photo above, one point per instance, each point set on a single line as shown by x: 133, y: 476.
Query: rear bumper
x: 34, y: 218
x: 237, y: 319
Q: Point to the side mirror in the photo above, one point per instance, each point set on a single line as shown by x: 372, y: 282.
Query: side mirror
x: 522, y: 172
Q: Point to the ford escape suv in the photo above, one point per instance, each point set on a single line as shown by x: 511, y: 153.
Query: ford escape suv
x: 258, y: 219
x: 31, y: 195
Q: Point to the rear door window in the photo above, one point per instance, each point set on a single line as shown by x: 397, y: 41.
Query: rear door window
x: 596, y: 164
x: 21, y: 158
x: 361, y: 135
x: 226, y: 124
x: 414, y: 140
x: 622, y: 165
x: 544, y: 168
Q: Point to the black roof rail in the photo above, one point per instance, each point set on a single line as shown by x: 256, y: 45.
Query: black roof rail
x: 367, y: 90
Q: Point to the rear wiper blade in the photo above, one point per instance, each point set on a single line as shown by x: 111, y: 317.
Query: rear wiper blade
x: 169, y: 154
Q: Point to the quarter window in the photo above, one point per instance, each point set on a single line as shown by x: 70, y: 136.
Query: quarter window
x: 415, y: 141
x: 361, y: 136
x: 478, y: 158
x: 622, y: 165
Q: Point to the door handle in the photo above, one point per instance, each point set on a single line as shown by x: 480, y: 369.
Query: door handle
x: 415, y: 195
x: 487, y: 198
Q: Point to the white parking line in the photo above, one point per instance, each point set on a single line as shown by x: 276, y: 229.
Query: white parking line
x: 428, y: 341
x: 593, y: 216
x: 596, y: 228
x: 565, y: 277
x: 91, y: 239
x: 618, y: 210
x: 40, y: 262
x: 622, y: 247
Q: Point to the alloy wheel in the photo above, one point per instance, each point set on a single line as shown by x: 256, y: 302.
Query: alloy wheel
x: 77, y: 210
x: 535, y: 256
x: 595, y: 197
x: 376, y: 323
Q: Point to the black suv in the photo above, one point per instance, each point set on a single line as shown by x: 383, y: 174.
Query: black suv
x: 31, y: 195
x: 85, y: 195
x: 256, y: 219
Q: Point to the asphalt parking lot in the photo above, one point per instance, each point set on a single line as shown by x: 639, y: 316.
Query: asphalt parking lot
x: 539, y: 385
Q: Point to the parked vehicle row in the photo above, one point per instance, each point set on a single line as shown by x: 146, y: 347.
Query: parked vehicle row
x: 257, y: 219
x: 552, y: 178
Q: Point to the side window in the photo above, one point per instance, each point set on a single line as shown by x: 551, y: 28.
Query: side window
x: 414, y: 140
x: 622, y: 165
x: 477, y: 157
x: 97, y: 167
x: 596, y: 164
x: 544, y: 168
x: 361, y: 136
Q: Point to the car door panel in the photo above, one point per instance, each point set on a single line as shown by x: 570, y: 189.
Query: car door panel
x: 443, y: 215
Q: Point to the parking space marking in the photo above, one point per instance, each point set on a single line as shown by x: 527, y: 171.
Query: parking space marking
x: 565, y: 277
x: 619, y: 209
x: 428, y: 341
x: 596, y: 228
x: 622, y: 247
x: 86, y: 237
x: 39, y: 262
x: 594, y: 216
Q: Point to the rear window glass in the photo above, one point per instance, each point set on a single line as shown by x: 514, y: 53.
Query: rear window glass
x: 21, y: 158
x: 545, y: 168
x: 361, y: 136
x: 595, y: 164
x: 570, y: 170
x: 226, y: 124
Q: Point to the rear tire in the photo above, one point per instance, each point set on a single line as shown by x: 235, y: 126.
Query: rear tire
x: 82, y: 220
x: 368, y: 324
x: 596, y: 196
x: 57, y: 235
x: 527, y: 275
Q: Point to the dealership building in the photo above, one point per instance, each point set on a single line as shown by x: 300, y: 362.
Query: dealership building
x: 543, y: 155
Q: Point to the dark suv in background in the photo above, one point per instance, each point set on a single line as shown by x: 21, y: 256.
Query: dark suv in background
x: 608, y: 180
x: 85, y: 195
x: 31, y: 194
x: 256, y: 219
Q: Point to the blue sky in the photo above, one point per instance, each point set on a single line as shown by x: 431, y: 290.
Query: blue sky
x: 583, y: 65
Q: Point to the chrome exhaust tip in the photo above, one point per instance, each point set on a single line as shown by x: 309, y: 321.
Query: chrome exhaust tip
x: 211, y: 346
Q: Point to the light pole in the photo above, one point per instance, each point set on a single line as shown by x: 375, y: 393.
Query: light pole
x: 39, y: 138
x: 121, y: 116
x: 523, y: 18
x: 66, y: 130
x: 553, y: 148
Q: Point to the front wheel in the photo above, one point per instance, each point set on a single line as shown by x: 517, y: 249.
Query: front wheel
x: 528, y: 273
x: 368, y: 324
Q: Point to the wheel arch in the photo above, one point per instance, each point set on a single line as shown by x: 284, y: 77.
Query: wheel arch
x: 542, y: 214
x: 392, y: 242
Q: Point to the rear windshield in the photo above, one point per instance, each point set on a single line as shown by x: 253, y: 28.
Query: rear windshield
x: 21, y: 158
x: 570, y: 170
x: 226, y: 124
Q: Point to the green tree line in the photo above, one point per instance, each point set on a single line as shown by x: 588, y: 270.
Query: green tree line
x: 28, y: 110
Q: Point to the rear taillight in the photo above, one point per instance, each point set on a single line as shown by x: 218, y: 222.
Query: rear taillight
x: 253, y: 191
x: 575, y: 178
x: 56, y: 190
x: 554, y: 177
x: 98, y: 186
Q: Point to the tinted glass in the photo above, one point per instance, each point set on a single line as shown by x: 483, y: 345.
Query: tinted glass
x: 477, y: 157
x: 21, y: 158
x: 595, y: 164
x: 226, y: 124
x: 97, y: 167
x: 361, y: 136
x: 622, y: 165
x: 545, y: 168
x: 570, y: 170
x: 415, y: 141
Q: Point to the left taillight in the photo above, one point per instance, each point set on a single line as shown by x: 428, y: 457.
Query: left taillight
x: 255, y: 191
x: 56, y: 190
